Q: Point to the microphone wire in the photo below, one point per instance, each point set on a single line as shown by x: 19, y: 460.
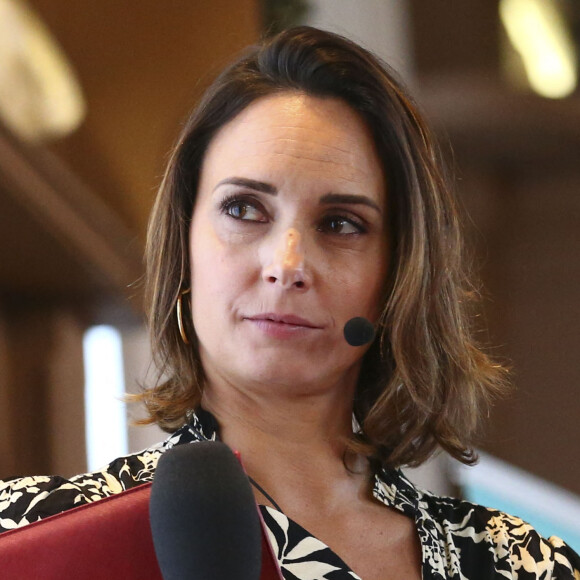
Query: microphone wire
x: 265, y: 493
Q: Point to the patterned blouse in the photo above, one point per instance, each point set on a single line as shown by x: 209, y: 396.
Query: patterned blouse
x: 459, y: 540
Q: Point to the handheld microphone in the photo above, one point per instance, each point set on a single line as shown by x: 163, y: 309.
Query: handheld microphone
x: 359, y: 331
x: 204, y: 518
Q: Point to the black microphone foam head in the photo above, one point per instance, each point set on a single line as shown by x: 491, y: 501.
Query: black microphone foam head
x: 359, y: 331
x: 204, y: 519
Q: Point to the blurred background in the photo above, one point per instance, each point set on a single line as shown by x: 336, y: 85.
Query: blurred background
x: 92, y: 96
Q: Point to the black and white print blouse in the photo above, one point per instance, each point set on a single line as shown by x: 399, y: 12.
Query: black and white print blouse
x: 458, y: 539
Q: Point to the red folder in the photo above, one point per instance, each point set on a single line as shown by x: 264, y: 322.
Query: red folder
x: 106, y: 540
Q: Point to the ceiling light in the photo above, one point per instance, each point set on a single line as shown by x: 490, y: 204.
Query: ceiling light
x: 538, y: 31
x: 39, y: 95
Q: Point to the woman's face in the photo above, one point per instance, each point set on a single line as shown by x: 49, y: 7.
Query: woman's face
x: 288, y: 241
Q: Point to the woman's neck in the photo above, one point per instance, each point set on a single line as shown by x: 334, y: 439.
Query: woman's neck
x: 320, y: 422
x: 290, y: 445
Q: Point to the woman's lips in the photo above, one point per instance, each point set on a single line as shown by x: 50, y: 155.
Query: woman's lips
x: 282, y: 325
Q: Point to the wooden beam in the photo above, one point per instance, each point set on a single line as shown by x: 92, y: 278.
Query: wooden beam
x: 102, y: 246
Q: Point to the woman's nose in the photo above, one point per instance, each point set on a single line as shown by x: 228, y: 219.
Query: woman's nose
x: 286, y: 265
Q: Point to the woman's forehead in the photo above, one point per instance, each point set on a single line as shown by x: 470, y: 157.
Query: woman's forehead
x: 298, y: 115
x: 294, y: 130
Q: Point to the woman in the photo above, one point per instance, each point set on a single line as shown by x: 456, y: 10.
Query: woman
x: 305, y: 191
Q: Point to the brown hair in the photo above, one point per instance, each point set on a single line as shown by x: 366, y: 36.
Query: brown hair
x: 424, y: 380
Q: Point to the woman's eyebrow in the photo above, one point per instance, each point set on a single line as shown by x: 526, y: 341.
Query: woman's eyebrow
x: 260, y: 186
x: 349, y: 198
x: 264, y: 187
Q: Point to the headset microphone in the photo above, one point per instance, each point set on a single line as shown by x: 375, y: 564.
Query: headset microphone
x: 359, y: 331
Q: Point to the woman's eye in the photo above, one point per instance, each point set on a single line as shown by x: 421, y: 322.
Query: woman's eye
x: 243, y: 210
x: 341, y: 225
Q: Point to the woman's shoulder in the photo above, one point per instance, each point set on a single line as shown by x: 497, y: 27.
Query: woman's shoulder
x: 24, y: 500
x: 466, y: 540
x: 475, y: 535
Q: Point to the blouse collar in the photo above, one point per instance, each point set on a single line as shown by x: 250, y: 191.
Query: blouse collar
x: 390, y: 487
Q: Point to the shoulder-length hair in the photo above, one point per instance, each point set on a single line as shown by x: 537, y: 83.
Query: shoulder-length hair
x: 424, y: 380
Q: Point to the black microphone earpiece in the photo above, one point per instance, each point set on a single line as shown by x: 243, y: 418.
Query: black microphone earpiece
x: 359, y: 331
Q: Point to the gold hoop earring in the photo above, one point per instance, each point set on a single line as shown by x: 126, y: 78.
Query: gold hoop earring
x: 179, y: 313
